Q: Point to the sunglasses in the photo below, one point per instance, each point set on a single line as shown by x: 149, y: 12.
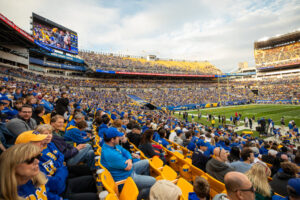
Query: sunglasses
x: 31, y: 160
x: 251, y: 189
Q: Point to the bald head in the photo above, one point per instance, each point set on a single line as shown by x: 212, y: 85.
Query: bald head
x: 235, y: 182
x: 220, y: 154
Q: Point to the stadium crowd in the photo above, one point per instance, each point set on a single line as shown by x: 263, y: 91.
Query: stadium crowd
x: 282, y: 55
x: 110, y: 62
x: 171, y: 93
x: 48, y: 132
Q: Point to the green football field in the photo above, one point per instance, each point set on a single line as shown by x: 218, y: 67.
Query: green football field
x: 275, y: 112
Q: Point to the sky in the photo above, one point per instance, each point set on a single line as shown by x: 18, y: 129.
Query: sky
x: 222, y: 32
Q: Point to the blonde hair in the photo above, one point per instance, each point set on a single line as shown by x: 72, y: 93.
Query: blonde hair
x: 258, y: 175
x: 9, y: 160
x: 44, y: 127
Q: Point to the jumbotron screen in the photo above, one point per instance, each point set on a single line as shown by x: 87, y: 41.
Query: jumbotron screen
x: 54, y: 35
x: 277, y: 56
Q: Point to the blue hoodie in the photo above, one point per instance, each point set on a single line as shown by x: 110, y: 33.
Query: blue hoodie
x: 102, y: 129
x: 75, y: 135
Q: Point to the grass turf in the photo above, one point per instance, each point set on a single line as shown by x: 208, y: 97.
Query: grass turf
x: 275, y: 112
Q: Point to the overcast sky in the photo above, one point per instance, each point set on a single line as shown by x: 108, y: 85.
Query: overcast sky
x: 222, y: 32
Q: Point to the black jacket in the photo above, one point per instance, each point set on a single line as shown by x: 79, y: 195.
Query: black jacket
x: 134, y: 138
x: 62, y: 106
x: 199, y: 160
x: 279, y: 183
x: 148, y: 150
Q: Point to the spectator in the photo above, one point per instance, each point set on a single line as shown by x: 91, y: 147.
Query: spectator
x: 76, y: 134
x: 135, y: 135
x: 20, y: 177
x: 73, y: 155
x: 118, y: 162
x: 216, y: 166
x: 104, y: 125
x: 258, y: 175
x: 178, y: 138
x: 23, y: 122
x: 38, y: 113
x: 247, y: 157
x: 62, y: 104
x: 198, y: 157
x: 270, y: 157
x: 165, y: 190
x: 51, y: 163
x: 146, y: 146
x: 234, y: 154
x: 201, y: 189
x: 281, y: 178
x: 239, y: 187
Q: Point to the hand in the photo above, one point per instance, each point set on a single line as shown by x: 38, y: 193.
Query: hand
x: 135, y: 156
x: 129, y: 164
x: 80, y: 146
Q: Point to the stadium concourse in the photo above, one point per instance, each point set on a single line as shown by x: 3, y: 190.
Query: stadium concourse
x: 68, y: 132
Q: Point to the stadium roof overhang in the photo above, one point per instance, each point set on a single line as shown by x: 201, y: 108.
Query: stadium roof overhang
x: 11, y: 34
x: 271, y: 42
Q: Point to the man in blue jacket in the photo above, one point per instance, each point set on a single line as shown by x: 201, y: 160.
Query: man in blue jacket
x: 118, y: 161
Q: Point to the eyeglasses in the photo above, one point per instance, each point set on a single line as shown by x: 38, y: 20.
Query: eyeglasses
x: 31, y: 160
x: 26, y: 112
x: 251, y: 189
x: 220, y: 151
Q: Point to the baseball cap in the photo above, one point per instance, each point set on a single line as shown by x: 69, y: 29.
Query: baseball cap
x: 201, y: 143
x: 295, y: 184
x: 30, y: 136
x: 164, y: 190
x: 112, y: 132
x: 5, y: 98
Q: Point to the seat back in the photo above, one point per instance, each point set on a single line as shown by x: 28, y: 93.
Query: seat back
x: 130, y: 190
x: 195, y: 171
x: 185, y: 187
x: 168, y: 173
x: 157, y: 162
x: 216, y: 187
x: 108, y: 182
x: 111, y: 196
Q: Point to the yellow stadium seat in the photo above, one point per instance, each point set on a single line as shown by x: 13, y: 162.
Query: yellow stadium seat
x: 185, y: 187
x: 111, y: 196
x: 112, y: 187
x: 216, y: 187
x: 168, y: 173
x: 157, y: 162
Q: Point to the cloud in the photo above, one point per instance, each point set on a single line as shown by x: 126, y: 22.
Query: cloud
x: 222, y: 32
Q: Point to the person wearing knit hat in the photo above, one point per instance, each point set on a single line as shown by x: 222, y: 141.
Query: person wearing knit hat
x: 165, y: 190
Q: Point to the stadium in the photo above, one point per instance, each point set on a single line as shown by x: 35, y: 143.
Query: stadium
x: 82, y: 124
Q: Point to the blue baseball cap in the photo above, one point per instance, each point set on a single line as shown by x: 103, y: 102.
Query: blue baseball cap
x: 201, y: 143
x: 112, y: 132
x: 295, y: 184
x: 5, y: 98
